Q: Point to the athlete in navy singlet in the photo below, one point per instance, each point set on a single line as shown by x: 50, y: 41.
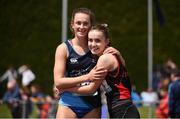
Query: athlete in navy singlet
x: 78, y: 65
x: 72, y: 62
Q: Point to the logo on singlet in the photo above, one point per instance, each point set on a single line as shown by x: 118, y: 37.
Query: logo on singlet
x: 73, y: 60
x: 94, y: 61
x: 85, y: 84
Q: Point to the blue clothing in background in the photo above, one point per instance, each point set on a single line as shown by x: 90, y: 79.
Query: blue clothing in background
x: 136, y: 98
x: 174, y: 99
x: 12, y: 98
x: 12, y: 95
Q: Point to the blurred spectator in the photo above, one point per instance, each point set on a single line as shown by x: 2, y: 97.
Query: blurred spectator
x: 53, y: 103
x: 45, y: 107
x: 135, y: 96
x: 52, y: 107
x: 149, y: 97
x: 12, y: 97
x: 27, y: 75
x: 165, y: 81
x: 174, y: 95
x: 168, y: 67
x: 170, y: 64
x: 157, y: 74
x: 10, y: 74
x: 28, y: 106
x: 162, y: 109
x: 38, y: 97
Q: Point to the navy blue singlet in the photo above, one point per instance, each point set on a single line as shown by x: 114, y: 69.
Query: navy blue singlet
x: 78, y: 65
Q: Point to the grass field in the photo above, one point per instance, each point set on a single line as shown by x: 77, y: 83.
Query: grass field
x: 5, y: 112
x: 145, y: 112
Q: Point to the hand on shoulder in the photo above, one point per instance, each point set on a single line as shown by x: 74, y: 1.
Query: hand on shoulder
x: 108, y: 61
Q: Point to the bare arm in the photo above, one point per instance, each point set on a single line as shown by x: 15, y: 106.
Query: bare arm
x: 109, y: 63
x: 59, y: 70
x: 62, y: 82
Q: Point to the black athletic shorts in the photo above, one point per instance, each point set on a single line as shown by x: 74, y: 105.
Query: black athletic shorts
x: 123, y: 109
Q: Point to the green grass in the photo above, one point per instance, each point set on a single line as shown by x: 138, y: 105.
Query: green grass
x: 5, y: 112
x: 145, y: 112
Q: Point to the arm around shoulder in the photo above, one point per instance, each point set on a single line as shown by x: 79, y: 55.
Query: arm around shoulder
x: 104, y: 61
x: 107, y: 61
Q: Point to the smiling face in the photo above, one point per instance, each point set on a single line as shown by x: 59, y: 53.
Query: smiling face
x: 81, y: 25
x: 97, y: 42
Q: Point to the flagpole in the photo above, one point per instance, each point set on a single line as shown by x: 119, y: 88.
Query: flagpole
x: 64, y: 20
x: 150, y: 43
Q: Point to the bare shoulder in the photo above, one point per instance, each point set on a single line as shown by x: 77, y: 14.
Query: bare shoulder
x: 62, y: 46
x: 106, y: 57
x: 107, y: 61
x: 61, y: 49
